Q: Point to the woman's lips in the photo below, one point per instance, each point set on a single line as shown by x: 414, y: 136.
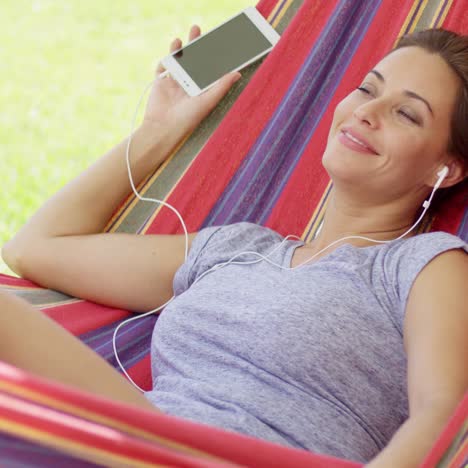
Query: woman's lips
x: 346, y: 141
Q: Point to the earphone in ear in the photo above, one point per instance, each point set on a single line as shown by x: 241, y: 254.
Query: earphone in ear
x: 443, y: 173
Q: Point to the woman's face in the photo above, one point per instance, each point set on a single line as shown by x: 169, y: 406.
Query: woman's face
x: 403, y: 111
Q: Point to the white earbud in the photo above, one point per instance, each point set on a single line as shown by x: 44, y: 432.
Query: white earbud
x: 442, y: 175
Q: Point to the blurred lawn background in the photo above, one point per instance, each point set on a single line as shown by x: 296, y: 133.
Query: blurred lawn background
x: 72, y: 72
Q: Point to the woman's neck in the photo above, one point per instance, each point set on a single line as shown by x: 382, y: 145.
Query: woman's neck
x: 346, y: 217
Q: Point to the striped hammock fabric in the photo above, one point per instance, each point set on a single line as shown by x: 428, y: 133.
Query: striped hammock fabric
x: 256, y: 158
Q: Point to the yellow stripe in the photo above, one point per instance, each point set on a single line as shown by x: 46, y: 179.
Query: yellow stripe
x: 160, y: 205
x: 441, y: 3
x: 462, y: 447
x: 275, y: 9
x: 448, y: 6
x: 318, y: 214
x: 405, y: 24
x: 50, y: 305
x: 419, y: 14
x: 48, y: 401
x: 76, y: 449
x: 22, y: 288
x: 281, y: 14
x: 144, y: 187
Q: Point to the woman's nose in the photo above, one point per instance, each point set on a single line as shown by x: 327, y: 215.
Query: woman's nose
x: 368, y: 114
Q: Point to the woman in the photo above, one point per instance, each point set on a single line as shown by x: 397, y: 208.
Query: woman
x: 361, y: 355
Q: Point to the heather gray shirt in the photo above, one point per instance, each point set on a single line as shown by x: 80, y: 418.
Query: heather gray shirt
x: 311, y: 358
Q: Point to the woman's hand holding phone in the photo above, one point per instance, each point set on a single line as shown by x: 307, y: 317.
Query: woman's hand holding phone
x: 170, y: 106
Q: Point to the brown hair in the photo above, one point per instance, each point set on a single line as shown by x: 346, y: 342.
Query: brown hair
x: 453, y: 48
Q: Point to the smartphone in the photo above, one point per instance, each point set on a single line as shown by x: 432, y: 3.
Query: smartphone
x: 233, y: 45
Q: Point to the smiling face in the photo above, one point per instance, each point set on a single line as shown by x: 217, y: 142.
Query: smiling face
x: 402, y: 110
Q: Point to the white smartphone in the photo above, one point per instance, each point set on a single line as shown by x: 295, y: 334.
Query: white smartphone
x: 233, y: 45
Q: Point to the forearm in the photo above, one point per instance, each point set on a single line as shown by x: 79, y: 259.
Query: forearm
x: 85, y: 204
x: 413, y: 441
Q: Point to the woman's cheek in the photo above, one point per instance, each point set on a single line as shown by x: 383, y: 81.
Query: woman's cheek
x: 407, y: 148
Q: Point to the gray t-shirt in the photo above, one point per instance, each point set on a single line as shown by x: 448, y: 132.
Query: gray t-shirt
x: 310, y: 358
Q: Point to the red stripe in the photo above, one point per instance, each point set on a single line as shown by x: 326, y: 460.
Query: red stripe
x: 227, y: 445
x: 83, y: 316
x: 450, y: 213
x: 457, y: 18
x: 448, y: 434
x: 461, y: 460
x: 75, y: 429
x: 77, y: 317
x: 309, y: 173
x: 140, y: 373
x: 13, y: 281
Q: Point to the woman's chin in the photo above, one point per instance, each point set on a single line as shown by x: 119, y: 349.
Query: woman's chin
x: 340, y: 168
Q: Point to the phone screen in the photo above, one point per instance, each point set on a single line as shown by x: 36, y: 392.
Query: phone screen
x: 222, y: 50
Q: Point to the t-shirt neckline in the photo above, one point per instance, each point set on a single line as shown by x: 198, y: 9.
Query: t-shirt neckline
x: 292, y: 245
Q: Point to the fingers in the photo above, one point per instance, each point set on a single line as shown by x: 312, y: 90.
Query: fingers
x: 195, y: 31
x: 176, y: 44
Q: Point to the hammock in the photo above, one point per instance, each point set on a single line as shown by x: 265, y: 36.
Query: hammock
x: 268, y: 172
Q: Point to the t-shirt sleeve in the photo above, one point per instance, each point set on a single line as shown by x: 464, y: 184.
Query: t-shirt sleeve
x: 187, y: 273
x: 409, y: 259
x: 217, y: 244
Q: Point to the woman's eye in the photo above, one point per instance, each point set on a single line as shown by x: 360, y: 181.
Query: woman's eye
x: 363, y: 90
x: 407, y: 116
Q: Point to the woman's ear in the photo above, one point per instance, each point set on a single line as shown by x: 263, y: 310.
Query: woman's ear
x: 457, y: 172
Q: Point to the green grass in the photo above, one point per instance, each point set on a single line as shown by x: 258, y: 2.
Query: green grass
x: 71, y: 75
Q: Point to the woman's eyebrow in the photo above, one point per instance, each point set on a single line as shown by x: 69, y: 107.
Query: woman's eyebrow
x: 405, y: 91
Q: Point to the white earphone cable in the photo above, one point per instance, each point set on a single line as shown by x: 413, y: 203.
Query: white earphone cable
x: 442, y: 174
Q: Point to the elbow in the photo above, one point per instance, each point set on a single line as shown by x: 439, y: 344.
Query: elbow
x: 11, y: 255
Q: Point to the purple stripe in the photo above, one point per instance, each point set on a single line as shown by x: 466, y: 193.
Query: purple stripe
x: 441, y: 12
x: 339, y: 68
x: 223, y: 206
x: 278, y: 11
x: 96, y: 338
x: 463, y: 229
x: 304, y: 97
x: 133, y: 341
x: 411, y: 21
x: 145, y: 222
x: 15, y: 451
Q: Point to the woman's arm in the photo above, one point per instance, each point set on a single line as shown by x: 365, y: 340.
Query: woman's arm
x: 435, y: 329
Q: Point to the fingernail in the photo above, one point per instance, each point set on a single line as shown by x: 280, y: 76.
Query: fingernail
x: 237, y: 77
